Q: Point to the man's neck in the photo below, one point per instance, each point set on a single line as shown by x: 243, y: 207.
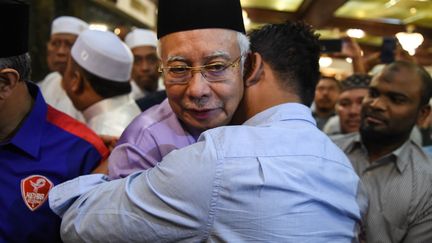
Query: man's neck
x: 381, y: 147
x: 324, y: 113
x: 14, y: 112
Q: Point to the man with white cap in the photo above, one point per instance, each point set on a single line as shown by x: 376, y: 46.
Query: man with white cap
x: 39, y: 146
x: 145, y: 73
x: 238, y: 183
x: 97, y: 80
x: 64, y: 32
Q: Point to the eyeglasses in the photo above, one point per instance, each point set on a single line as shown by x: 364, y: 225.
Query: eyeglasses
x: 215, y: 72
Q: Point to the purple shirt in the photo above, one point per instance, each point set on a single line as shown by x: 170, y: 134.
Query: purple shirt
x: 149, y: 137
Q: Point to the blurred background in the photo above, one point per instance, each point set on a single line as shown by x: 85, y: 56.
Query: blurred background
x: 384, y: 29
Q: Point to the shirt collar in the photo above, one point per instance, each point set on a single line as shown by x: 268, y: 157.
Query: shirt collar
x: 286, y: 111
x: 28, y: 136
x: 105, y: 105
x: 400, y: 156
x: 351, y: 142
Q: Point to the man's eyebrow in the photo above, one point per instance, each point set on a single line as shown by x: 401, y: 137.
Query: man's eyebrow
x: 176, y: 58
x: 397, y: 95
x: 216, y: 54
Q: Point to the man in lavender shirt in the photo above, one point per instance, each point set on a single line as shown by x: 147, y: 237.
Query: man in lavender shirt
x: 191, y: 108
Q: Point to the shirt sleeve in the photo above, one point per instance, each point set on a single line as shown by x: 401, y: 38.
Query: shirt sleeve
x: 174, y: 201
x: 420, y: 227
x: 129, y: 157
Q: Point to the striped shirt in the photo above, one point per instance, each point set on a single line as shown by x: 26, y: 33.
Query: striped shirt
x: 400, y: 191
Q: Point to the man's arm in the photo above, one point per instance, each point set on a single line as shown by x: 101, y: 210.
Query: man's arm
x: 128, y: 157
x: 170, y: 202
x: 420, y: 229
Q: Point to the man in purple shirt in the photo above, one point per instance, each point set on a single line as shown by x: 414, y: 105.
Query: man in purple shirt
x: 192, y: 106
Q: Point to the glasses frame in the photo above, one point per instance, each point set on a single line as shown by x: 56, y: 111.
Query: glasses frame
x: 200, y: 69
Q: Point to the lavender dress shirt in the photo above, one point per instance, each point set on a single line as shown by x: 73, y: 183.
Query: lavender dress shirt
x: 149, y: 137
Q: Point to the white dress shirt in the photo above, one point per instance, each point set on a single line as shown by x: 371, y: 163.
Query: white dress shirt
x: 111, y: 116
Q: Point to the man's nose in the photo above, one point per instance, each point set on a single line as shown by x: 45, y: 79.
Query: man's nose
x: 198, y: 85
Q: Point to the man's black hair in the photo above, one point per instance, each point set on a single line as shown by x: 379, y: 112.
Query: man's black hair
x: 104, y: 87
x: 292, y: 50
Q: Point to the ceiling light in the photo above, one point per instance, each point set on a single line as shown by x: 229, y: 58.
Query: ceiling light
x: 410, y: 41
x: 101, y: 27
x: 355, y: 33
x: 325, y: 61
x: 246, y: 20
x: 391, y: 3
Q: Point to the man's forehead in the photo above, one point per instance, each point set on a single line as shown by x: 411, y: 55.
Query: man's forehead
x: 327, y: 82
x: 64, y: 36
x: 203, y: 43
x: 143, y: 50
x: 204, y: 55
x: 397, y: 82
x: 354, y: 92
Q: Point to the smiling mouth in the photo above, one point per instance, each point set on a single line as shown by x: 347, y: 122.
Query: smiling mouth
x: 203, y: 114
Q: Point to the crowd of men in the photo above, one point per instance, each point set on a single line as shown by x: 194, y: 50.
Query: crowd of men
x: 201, y: 132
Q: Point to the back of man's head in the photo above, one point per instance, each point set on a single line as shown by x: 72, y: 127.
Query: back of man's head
x: 105, y: 62
x: 292, y: 51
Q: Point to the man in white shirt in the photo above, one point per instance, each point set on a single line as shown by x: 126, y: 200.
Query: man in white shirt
x: 97, y: 81
x: 64, y: 32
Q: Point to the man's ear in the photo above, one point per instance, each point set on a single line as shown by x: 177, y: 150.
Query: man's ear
x: 423, y: 114
x: 253, y: 69
x: 77, y: 82
x: 9, y: 79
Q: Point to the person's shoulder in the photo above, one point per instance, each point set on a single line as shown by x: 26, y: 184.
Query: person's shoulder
x: 154, y: 115
x: 343, y: 140
x: 332, y: 126
x: 420, y: 158
x: 80, y: 131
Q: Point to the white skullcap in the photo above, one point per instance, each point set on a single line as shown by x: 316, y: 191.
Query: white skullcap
x: 141, y: 37
x: 103, y: 54
x: 68, y: 25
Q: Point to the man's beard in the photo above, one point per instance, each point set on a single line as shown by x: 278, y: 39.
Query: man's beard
x: 382, y: 138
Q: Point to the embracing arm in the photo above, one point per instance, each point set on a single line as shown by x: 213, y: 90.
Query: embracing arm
x: 170, y: 202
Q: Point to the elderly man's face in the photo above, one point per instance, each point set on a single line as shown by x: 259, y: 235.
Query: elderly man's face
x: 202, y: 104
x: 58, y: 49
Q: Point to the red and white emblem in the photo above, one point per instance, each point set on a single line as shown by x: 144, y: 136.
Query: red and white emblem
x: 34, y: 190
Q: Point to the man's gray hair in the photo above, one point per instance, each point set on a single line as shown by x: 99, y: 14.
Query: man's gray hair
x: 244, y: 45
x: 21, y: 63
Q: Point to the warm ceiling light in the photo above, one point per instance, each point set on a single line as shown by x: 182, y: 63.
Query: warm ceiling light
x: 246, y: 20
x: 355, y: 33
x: 325, y: 62
x: 391, y: 3
x: 410, y: 41
x: 101, y: 27
x: 349, y: 60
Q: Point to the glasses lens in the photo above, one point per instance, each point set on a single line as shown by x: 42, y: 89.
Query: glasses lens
x: 212, y: 72
x: 215, y: 72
